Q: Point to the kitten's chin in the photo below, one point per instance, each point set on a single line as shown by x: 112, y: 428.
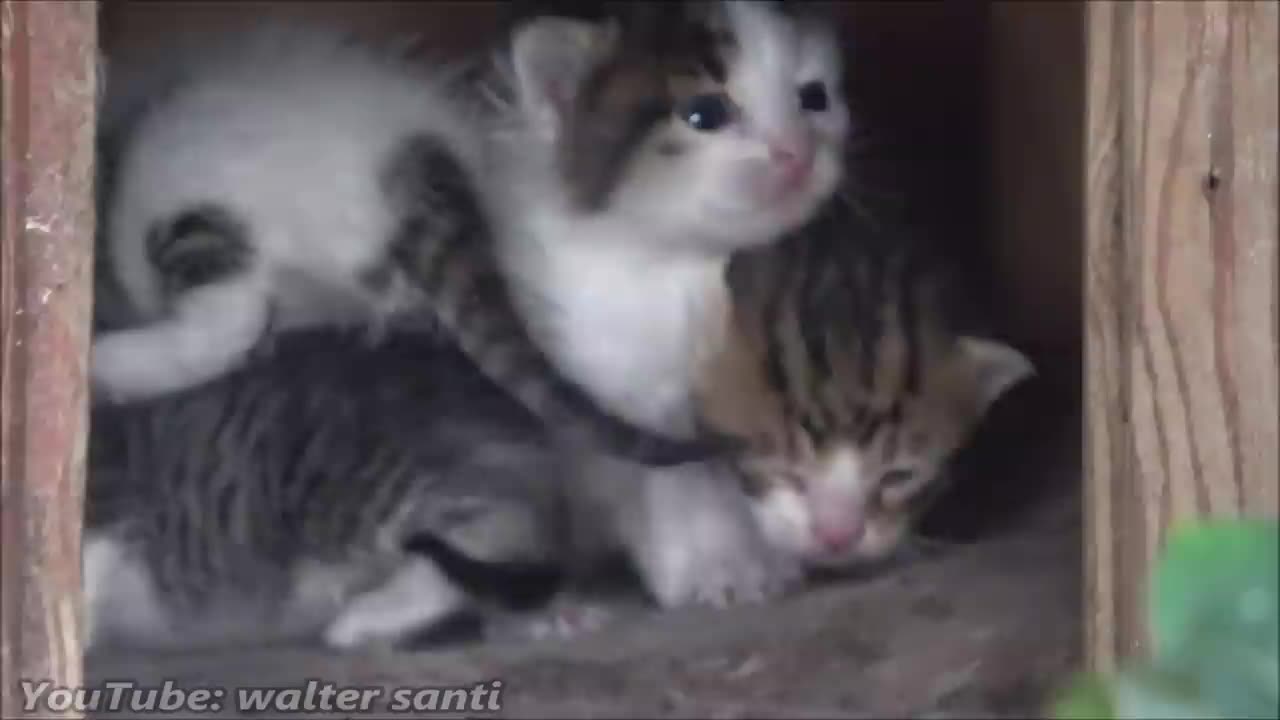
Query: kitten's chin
x: 760, y: 222
x: 766, y: 212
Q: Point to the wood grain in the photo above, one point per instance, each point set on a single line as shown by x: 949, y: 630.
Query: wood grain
x: 1181, y: 288
x: 47, y: 61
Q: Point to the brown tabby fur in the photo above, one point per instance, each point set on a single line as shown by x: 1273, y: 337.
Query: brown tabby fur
x: 844, y: 336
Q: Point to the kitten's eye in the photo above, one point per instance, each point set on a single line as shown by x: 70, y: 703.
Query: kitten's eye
x: 813, y: 96
x: 707, y: 113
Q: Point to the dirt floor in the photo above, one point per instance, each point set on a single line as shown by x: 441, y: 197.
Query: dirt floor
x: 985, y: 628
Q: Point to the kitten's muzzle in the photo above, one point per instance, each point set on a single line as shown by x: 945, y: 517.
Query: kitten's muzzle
x: 839, y: 537
x: 793, y: 156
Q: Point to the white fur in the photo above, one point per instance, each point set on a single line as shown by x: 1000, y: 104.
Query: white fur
x: 623, y: 297
x: 119, y: 598
x: 289, y: 129
x: 688, y: 531
x: 349, y: 604
x: 694, y: 541
x: 416, y: 596
x: 626, y: 299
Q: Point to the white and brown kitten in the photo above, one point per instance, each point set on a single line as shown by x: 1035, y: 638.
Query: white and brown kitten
x: 291, y: 177
x: 637, y: 175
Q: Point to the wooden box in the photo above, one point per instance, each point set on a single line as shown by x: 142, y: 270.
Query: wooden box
x: 1112, y: 163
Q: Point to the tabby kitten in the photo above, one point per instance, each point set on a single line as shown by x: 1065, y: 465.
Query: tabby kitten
x: 292, y: 177
x: 852, y: 377
x: 336, y: 490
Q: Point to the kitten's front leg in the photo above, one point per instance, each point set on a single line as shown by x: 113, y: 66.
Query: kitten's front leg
x: 119, y: 595
x: 695, y: 541
x: 416, y: 596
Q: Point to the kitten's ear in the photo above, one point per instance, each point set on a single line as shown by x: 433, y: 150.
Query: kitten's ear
x: 997, y: 368
x: 552, y: 57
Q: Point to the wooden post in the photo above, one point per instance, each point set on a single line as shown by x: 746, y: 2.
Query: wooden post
x: 1181, y: 319
x: 48, y: 72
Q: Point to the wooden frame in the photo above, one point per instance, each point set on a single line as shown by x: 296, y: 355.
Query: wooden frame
x: 1179, y: 180
x: 1181, y: 369
x: 47, y: 65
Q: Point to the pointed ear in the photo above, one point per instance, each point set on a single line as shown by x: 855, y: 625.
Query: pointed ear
x: 552, y: 57
x: 997, y: 368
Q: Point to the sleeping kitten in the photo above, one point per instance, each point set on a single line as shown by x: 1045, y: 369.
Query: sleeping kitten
x: 634, y: 174
x: 290, y: 178
x: 851, y: 379
x: 333, y: 490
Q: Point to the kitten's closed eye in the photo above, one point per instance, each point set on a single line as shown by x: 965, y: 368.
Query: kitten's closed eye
x: 708, y: 112
x: 813, y: 96
x: 897, y: 485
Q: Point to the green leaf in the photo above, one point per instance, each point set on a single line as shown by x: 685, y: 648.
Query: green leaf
x: 1146, y: 694
x: 1088, y: 697
x: 1219, y: 580
x: 1215, y: 614
x: 1215, y: 623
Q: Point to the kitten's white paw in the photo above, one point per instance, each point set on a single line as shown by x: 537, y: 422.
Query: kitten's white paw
x: 416, y: 596
x: 119, y: 596
x: 569, y: 621
x: 352, y: 630
x: 720, y: 574
x: 702, y: 546
x: 562, y: 621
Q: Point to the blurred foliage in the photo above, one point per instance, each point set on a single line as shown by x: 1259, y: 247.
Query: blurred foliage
x: 1214, y: 615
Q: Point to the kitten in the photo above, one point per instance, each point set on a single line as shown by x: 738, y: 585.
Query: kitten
x: 635, y: 173
x: 854, y: 370
x: 334, y: 490
x: 293, y: 177
x: 853, y: 379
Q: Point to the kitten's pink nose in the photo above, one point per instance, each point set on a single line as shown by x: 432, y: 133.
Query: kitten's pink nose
x: 839, y: 537
x: 794, y: 154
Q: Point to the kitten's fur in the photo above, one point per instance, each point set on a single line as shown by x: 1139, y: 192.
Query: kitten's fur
x: 630, y: 242
x: 853, y: 377
x: 294, y: 177
x: 307, y: 494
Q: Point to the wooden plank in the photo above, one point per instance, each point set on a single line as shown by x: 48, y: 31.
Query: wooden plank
x: 1182, y: 361
x: 47, y: 60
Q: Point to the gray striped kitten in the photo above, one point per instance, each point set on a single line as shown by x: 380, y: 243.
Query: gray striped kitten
x: 335, y: 490
x: 293, y: 177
